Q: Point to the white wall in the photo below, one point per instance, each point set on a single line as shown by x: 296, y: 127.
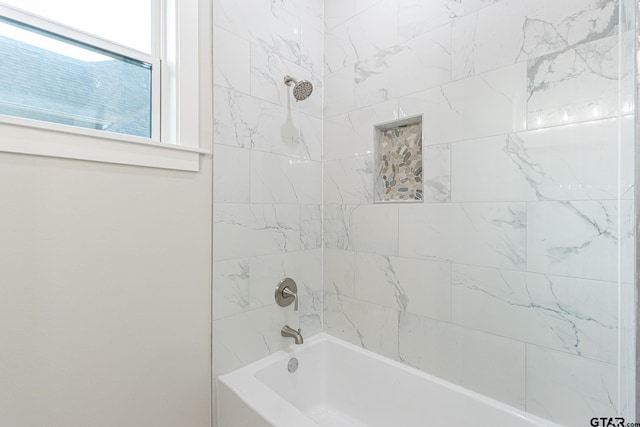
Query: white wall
x: 104, y: 294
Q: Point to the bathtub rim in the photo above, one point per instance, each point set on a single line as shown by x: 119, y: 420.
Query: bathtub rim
x: 246, y: 385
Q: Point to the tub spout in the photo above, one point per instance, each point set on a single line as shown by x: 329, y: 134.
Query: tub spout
x: 286, y: 331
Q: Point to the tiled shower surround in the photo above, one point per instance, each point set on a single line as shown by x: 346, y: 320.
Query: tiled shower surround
x: 267, y: 175
x: 504, y: 279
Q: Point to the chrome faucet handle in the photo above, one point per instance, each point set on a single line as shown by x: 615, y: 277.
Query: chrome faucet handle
x: 285, y: 290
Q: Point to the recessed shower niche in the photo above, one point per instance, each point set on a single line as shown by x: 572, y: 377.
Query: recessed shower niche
x: 398, y: 161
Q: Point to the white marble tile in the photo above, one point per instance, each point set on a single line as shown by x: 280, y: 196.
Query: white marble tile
x: 627, y: 157
x: 488, y: 104
x: 268, y: 70
x: 417, y: 17
x: 310, y: 137
x: 569, y: 389
x: 368, y: 325
x: 362, y: 5
x: 283, y: 179
x: 491, y: 365
x: 361, y: 36
x: 249, y: 336
x: 351, y: 227
x: 339, y: 91
x: 311, y: 314
x: 526, y: 30
x: 339, y: 272
x: 436, y: 173
x: 627, y: 353
x: 311, y: 8
x: 311, y: 226
x: 572, y: 315
x: 267, y: 76
x: 336, y: 226
x: 268, y: 23
x: 374, y: 228
x: 337, y: 12
x: 312, y: 39
x: 574, y: 85
x: 352, y: 134
x: 244, y: 230
x: 231, y: 174
x: 628, y: 241
x: 244, y: 121
x: 404, y: 284
x: 578, y: 239
x: 418, y: 64
x: 348, y: 180
x: 491, y: 235
x: 574, y: 162
x: 305, y: 267
x: 231, y: 60
x: 230, y: 287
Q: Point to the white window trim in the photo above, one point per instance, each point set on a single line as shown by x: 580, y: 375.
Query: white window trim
x: 185, y: 109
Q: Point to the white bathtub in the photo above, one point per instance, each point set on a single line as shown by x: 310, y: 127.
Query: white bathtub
x: 340, y: 385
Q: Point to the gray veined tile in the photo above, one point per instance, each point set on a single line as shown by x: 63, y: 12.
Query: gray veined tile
x: 576, y: 316
x: 282, y: 179
x: 348, y: 181
x: 490, y: 234
x: 569, y: 389
x: 268, y: 23
x: 368, y: 325
x: 349, y: 227
x: 248, y: 230
x: 485, y: 363
x: 416, y: 17
x: 528, y: 29
x: 575, y: 85
x: 249, y: 336
x: 420, y: 63
x: 351, y: 134
x: 244, y: 121
x: 573, y: 162
x: 578, y: 239
x: 488, y: 104
x: 230, y: 287
x: 361, y: 36
x: 311, y: 314
x: 437, y: 173
x: 338, y: 271
x: 416, y: 286
x: 231, y: 61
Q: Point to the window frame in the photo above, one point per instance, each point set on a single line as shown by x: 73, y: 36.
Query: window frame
x: 179, y: 75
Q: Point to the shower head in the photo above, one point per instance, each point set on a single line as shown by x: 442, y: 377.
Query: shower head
x: 302, y: 88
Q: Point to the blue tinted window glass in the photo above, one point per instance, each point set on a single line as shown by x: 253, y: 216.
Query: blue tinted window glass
x: 49, y: 78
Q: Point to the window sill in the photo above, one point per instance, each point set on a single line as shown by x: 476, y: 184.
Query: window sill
x: 47, y: 139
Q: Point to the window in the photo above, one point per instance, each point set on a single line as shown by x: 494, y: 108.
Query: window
x: 82, y: 79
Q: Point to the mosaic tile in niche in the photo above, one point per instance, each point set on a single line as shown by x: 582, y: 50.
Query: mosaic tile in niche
x: 399, y: 161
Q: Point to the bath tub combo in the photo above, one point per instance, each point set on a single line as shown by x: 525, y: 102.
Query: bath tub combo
x: 336, y: 384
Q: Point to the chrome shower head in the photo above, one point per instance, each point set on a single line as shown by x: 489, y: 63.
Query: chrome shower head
x: 302, y: 88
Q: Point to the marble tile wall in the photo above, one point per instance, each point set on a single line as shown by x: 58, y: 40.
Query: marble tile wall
x: 268, y: 175
x: 506, y: 279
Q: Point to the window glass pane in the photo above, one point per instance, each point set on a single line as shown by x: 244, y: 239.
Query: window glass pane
x: 45, y: 77
x: 127, y: 22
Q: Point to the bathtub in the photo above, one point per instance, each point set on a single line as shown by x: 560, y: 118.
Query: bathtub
x: 341, y: 385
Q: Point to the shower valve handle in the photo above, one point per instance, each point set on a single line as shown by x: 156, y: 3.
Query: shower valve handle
x: 285, y: 291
